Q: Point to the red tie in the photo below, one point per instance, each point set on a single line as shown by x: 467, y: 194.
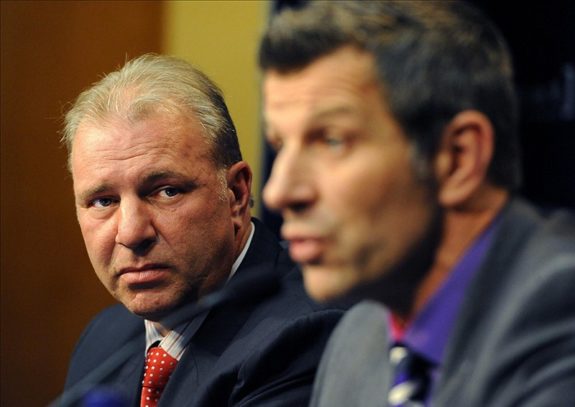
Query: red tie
x: 159, y: 367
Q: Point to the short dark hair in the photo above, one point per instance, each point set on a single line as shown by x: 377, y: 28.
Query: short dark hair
x: 433, y: 60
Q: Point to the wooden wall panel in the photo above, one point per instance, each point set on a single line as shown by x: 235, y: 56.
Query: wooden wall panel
x: 50, y: 51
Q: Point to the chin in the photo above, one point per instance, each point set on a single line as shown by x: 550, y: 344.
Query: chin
x: 325, y: 284
x: 150, y: 309
x: 154, y: 315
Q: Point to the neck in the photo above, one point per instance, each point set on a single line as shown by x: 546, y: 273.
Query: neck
x: 461, y: 227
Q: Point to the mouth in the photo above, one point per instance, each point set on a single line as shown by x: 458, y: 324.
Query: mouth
x: 148, y: 275
x: 306, y: 250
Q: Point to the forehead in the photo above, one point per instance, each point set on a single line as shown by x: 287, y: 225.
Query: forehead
x: 121, y: 134
x: 339, y: 80
x: 119, y: 142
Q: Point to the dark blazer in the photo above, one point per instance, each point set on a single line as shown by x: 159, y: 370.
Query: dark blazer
x: 514, y: 340
x: 262, y: 354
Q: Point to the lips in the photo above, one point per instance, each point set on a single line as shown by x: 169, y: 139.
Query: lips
x: 150, y: 274
x: 306, y: 250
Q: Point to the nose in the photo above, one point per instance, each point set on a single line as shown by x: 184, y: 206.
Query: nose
x: 135, y: 229
x: 290, y: 186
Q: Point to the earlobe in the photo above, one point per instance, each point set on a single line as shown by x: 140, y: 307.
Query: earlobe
x: 464, y: 157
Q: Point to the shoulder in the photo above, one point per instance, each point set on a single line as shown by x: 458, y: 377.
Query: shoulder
x: 542, y: 277
x: 547, y: 231
x: 288, y: 314
x: 114, y: 317
x: 291, y: 303
x: 530, y: 266
x: 544, y: 255
x: 553, y: 241
x: 527, y: 246
x: 112, y: 323
x: 107, y: 332
x: 518, y: 319
x: 538, y: 289
x: 265, y: 353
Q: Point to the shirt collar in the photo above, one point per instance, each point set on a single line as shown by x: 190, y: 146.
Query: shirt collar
x: 240, y: 258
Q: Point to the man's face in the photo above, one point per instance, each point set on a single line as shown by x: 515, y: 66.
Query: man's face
x: 154, y: 211
x: 343, y: 178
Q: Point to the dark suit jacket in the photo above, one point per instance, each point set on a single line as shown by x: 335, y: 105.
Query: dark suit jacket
x: 514, y: 340
x: 262, y: 354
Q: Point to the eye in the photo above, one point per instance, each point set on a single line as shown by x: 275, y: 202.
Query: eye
x: 101, y: 202
x: 169, y: 192
x: 333, y: 141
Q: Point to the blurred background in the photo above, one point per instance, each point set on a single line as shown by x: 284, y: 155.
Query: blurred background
x: 52, y: 50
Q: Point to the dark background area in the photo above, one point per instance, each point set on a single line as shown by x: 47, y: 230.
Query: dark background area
x: 541, y: 36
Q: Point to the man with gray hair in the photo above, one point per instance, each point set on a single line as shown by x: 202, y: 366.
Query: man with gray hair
x: 163, y: 202
x: 396, y: 174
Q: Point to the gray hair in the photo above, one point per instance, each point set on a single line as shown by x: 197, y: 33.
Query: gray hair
x: 152, y: 84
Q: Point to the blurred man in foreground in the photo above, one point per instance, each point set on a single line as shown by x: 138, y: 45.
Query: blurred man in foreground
x: 396, y: 171
x: 163, y: 202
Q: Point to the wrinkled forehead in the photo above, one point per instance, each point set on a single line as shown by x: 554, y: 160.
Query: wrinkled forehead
x: 118, y: 134
x: 163, y: 126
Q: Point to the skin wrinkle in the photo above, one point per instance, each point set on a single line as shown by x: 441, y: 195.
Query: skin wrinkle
x: 192, y: 236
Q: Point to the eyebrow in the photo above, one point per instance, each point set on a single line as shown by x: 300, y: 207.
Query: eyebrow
x: 85, y: 195
x: 334, y: 111
x: 186, y: 181
x: 160, y: 175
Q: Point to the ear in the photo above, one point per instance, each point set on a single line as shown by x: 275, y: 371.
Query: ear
x: 239, y: 182
x: 464, y: 157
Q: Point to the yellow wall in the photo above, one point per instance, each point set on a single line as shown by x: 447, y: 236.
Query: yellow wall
x: 221, y: 38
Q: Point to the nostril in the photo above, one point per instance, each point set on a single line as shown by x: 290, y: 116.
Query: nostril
x: 298, y: 207
x: 145, y: 246
x: 142, y: 247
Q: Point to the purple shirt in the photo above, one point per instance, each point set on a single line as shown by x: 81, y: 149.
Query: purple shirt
x: 429, y: 332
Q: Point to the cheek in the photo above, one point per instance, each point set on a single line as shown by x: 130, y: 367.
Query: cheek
x: 361, y: 202
x: 324, y: 284
x: 99, y: 240
x: 199, y: 230
x: 380, y: 217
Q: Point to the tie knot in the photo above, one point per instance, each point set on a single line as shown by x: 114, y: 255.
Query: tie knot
x: 159, y: 367
x: 404, y: 359
x: 411, y: 377
x: 397, y: 354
